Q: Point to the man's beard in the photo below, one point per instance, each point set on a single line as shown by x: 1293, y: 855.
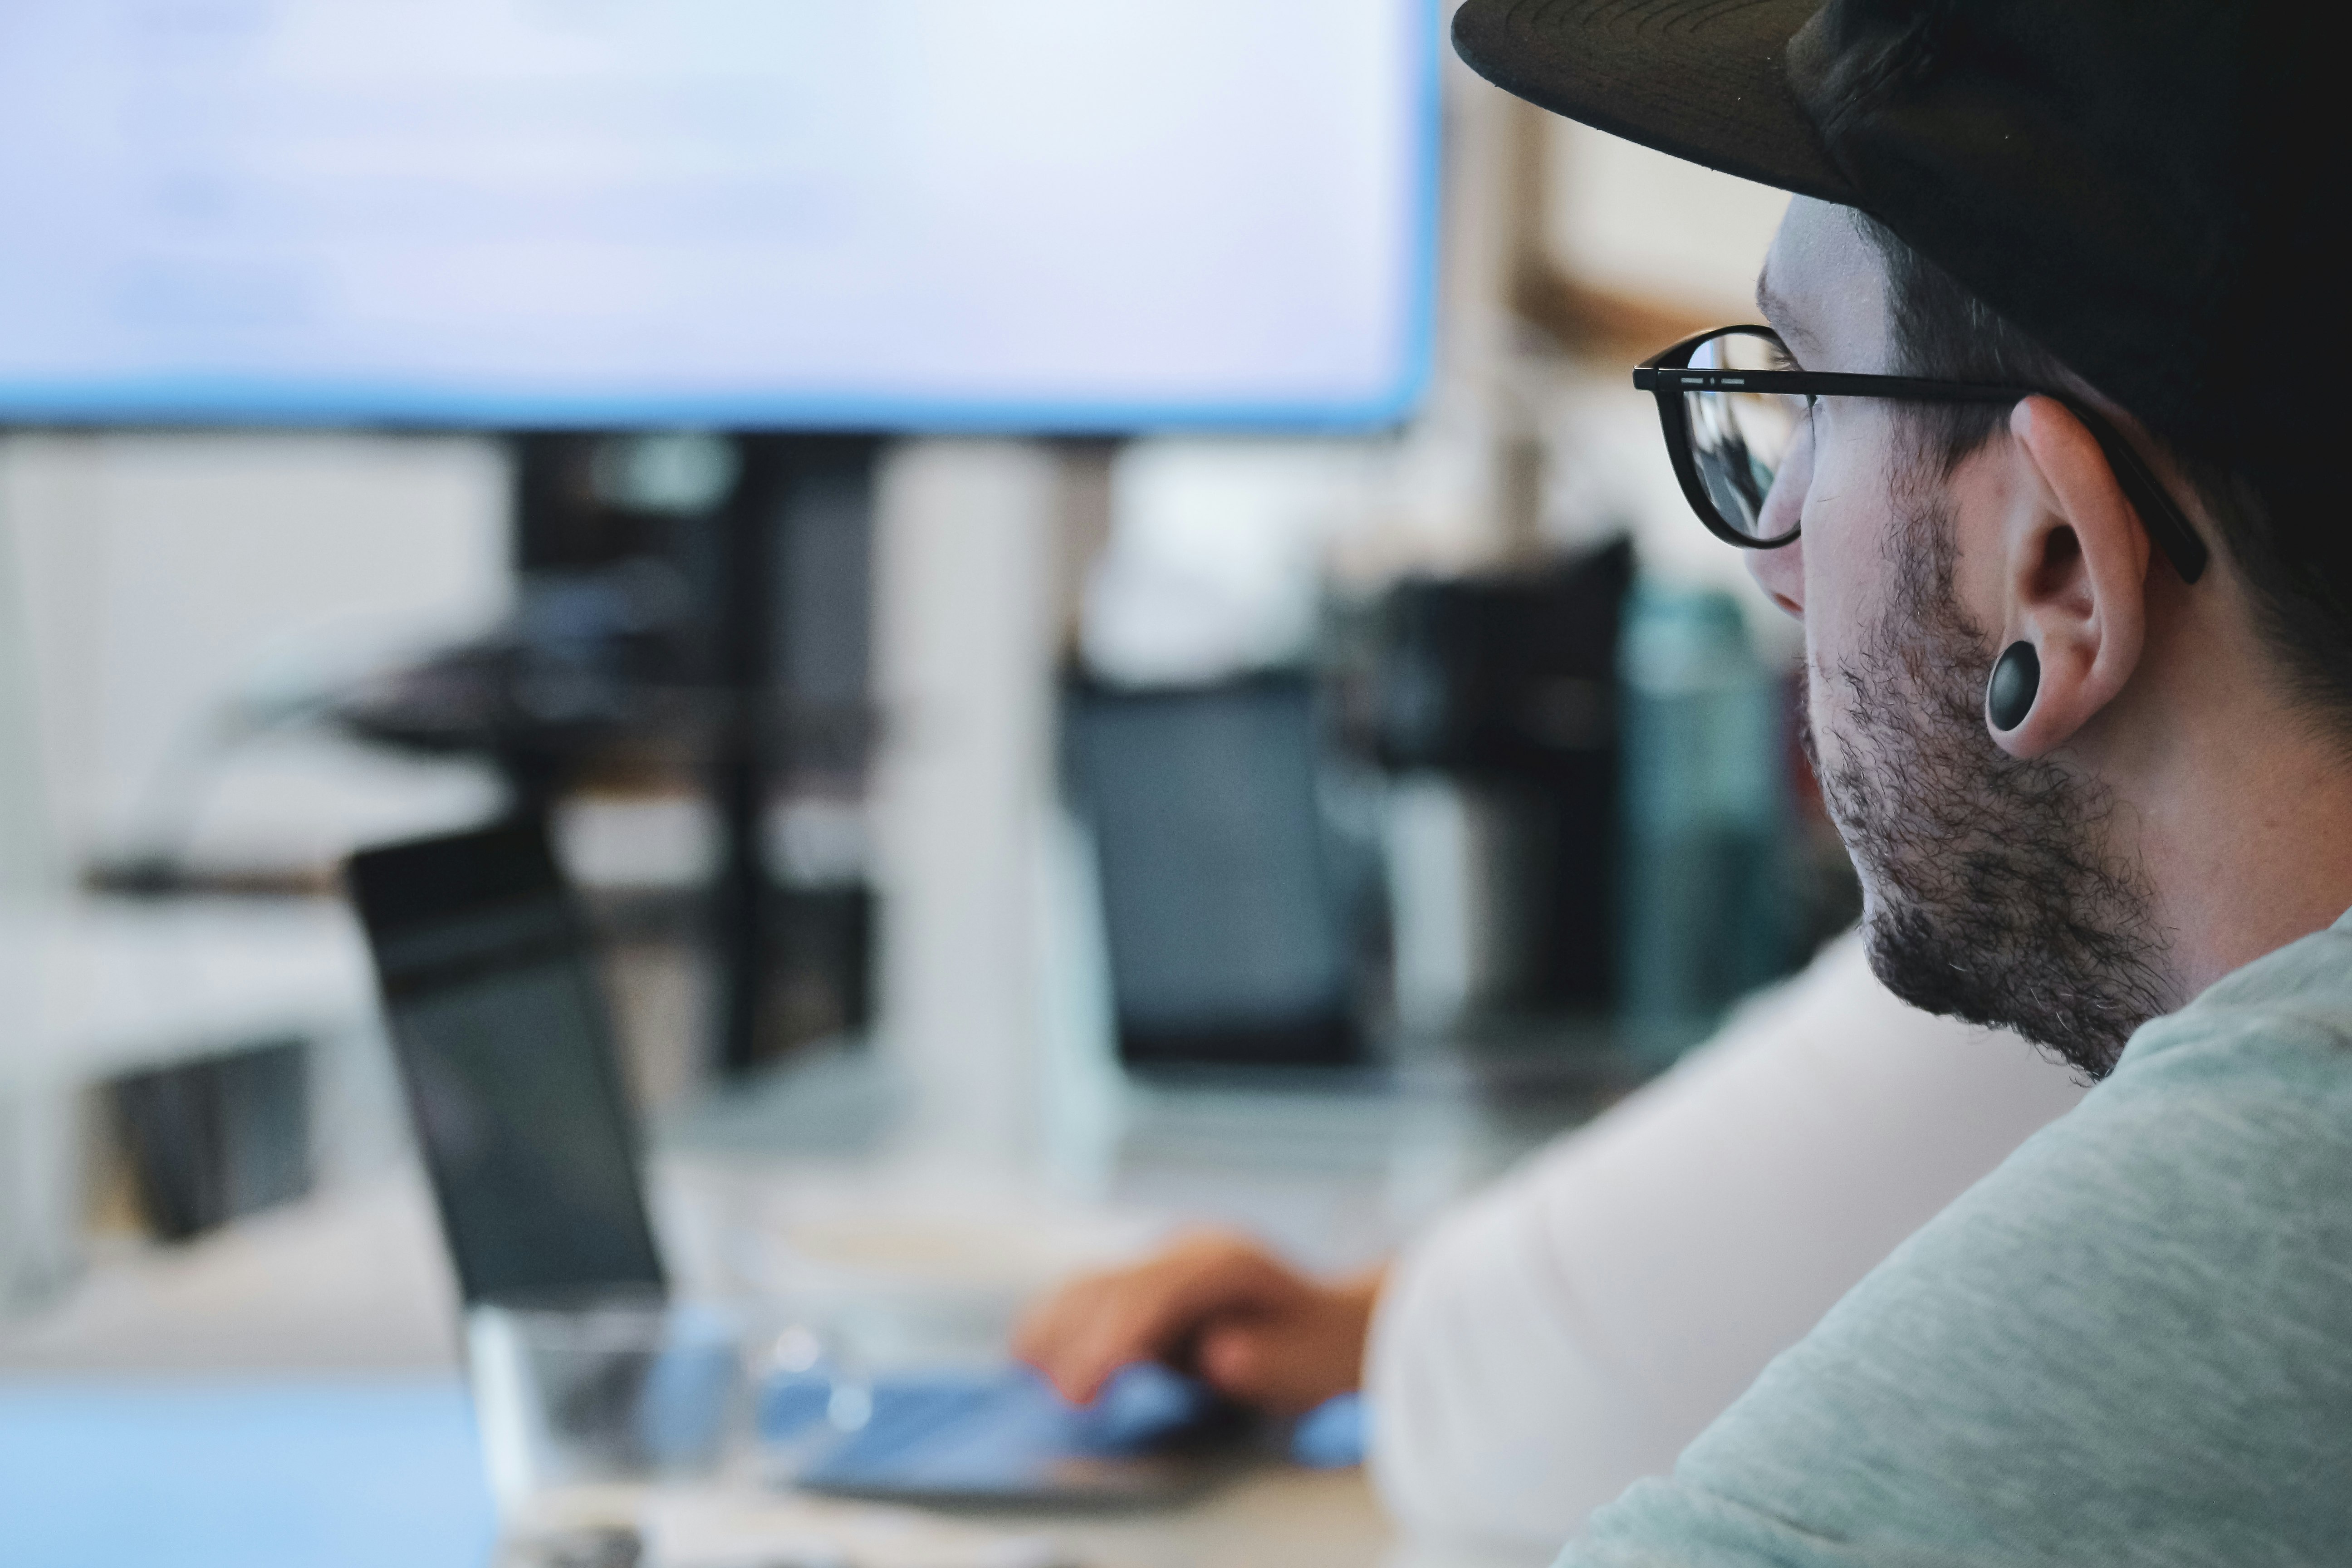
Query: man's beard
x: 1990, y: 893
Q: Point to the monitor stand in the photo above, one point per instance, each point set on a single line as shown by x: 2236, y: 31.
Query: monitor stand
x: 778, y: 677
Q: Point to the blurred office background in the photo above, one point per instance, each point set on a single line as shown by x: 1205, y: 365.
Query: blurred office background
x: 1246, y: 821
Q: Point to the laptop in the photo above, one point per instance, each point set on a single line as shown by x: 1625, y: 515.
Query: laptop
x: 506, y: 1051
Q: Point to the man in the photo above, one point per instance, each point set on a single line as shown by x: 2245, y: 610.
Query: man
x: 2078, y: 612
x: 2077, y: 598
x: 1573, y: 1327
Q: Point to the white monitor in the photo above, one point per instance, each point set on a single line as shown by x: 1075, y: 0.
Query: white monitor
x: 1042, y: 215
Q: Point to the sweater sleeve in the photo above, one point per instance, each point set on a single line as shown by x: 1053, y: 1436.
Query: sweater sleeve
x: 1572, y: 1329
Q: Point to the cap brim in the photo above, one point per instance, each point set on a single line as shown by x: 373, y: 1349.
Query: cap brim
x: 1701, y: 79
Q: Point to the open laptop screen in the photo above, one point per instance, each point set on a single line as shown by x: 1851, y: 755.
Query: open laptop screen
x: 505, y: 1049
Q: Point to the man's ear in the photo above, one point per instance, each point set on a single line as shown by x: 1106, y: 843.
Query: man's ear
x: 2074, y: 579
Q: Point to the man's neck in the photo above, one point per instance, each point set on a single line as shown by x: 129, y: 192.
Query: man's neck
x: 2243, y: 813
x: 2278, y: 869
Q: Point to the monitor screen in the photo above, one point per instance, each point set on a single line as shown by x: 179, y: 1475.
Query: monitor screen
x: 889, y: 215
x: 1224, y: 916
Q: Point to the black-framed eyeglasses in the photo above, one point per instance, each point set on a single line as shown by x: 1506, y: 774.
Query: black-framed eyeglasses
x: 1733, y: 407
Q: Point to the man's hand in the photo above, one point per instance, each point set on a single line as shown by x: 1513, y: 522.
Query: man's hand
x: 1216, y: 1305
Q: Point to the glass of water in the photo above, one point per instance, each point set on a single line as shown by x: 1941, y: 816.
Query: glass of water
x: 585, y: 1404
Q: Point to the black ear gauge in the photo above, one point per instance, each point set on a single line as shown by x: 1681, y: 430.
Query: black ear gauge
x: 2016, y: 681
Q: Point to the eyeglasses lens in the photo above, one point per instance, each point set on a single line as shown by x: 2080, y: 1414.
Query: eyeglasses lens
x: 1739, y: 440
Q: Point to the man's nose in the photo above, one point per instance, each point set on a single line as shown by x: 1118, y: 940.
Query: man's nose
x: 1781, y: 574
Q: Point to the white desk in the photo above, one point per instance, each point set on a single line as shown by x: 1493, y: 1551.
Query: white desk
x: 356, y: 1281
x: 93, y: 987
x: 90, y: 987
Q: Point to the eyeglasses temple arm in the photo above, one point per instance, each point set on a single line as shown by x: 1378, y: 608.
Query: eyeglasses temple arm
x: 2158, y: 514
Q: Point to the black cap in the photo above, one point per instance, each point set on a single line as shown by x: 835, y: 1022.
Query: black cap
x: 2153, y: 189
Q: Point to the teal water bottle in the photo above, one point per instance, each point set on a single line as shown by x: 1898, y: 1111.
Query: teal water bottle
x: 1703, y: 914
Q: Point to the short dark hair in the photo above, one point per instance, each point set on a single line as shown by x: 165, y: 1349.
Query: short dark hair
x: 2300, y: 578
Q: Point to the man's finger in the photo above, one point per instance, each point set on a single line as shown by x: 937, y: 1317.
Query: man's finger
x: 1090, y: 1329
x: 1233, y: 1358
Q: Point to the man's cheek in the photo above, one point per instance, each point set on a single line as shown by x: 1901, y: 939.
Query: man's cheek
x: 1844, y: 557
x: 1828, y: 709
x: 1837, y: 671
